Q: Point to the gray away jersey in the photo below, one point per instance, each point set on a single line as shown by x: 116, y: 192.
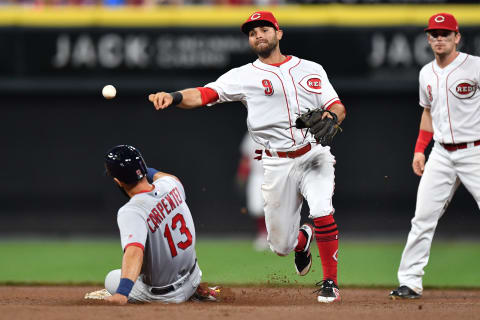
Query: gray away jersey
x: 160, y: 222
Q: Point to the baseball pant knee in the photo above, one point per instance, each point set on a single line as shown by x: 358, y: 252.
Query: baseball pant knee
x: 112, y: 280
x: 280, y: 245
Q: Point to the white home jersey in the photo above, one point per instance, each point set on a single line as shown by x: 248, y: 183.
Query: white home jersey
x: 452, y: 94
x: 275, y: 96
x: 159, y: 221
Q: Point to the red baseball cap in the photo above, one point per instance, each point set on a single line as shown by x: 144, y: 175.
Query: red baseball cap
x: 442, y: 21
x: 265, y: 16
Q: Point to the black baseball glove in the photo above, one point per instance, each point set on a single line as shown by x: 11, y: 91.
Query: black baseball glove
x: 322, y: 129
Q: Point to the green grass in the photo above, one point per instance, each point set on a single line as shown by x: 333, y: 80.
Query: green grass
x: 234, y: 262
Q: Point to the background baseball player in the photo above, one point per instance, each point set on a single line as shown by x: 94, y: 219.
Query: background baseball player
x: 451, y: 115
x: 275, y: 89
x: 250, y: 178
x: 157, y: 235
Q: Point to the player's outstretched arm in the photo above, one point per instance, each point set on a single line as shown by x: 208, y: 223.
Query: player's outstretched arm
x: 186, y: 99
x: 424, y: 137
x: 131, y: 267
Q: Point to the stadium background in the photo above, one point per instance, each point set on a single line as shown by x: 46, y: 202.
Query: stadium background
x: 56, y: 126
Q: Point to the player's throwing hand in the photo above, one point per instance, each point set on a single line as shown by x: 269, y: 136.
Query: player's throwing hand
x: 418, y: 163
x: 161, y: 100
x: 117, y: 299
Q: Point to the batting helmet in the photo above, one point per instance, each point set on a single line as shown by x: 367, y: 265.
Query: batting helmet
x: 125, y: 163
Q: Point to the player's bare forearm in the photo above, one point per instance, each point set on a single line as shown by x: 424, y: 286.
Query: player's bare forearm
x: 424, y: 137
x: 191, y: 98
x: 339, y: 110
x: 131, y: 266
x: 132, y: 263
x: 426, y: 121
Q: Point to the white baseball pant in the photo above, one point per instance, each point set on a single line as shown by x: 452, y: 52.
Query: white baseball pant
x: 444, y: 171
x: 185, y: 287
x: 286, y: 182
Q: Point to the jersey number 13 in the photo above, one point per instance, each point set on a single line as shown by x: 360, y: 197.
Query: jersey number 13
x: 183, y: 230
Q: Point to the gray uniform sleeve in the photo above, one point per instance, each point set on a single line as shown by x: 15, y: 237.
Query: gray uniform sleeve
x: 133, y: 229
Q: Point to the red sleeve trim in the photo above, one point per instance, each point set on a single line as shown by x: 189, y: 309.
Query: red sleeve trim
x: 330, y: 104
x: 337, y: 102
x: 136, y: 244
x: 424, y: 138
x: 208, y: 95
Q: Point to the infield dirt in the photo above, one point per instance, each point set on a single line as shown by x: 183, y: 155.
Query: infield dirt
x: 64, y: 302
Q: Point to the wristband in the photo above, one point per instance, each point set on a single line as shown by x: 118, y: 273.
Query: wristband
x: 424, y: 138
x: 150, y: 173
x: 125, y: 287
x: 177, y: 97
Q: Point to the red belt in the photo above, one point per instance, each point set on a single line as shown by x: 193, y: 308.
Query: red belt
x: 454, y: 147
x: 291, y: 154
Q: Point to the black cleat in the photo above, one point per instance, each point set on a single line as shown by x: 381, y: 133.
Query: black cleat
x: 404, y: 292
x: 328, y: 291
x: 303, y: 259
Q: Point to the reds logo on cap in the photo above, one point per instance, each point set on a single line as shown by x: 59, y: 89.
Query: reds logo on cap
x: 442, y: 21
x: 255, y: 16
x: 266, y: 16
x: 463, y: 89
x: 312, y: 83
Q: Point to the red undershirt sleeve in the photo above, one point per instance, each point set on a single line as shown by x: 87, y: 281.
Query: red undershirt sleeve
x: 208, y: 95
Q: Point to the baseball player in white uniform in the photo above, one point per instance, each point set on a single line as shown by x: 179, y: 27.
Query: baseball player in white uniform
x: 451, y: 115
x: 275, y: 89
x: 157, y: 235
x: 250, y: 175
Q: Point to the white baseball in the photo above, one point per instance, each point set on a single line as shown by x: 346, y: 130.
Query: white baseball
x: 109, y: 92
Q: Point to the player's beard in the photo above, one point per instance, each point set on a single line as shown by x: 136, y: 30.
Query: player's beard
x: 266, y: 51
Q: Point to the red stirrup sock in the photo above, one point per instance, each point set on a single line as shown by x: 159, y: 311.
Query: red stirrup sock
x: 326, y: 235
x: 302, y: 241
